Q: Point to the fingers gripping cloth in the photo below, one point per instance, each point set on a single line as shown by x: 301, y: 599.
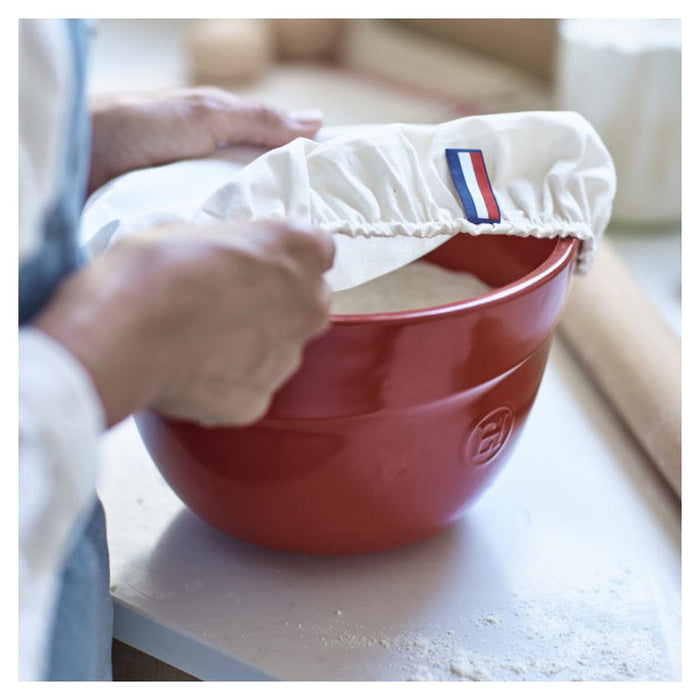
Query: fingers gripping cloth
x: 392, y: 193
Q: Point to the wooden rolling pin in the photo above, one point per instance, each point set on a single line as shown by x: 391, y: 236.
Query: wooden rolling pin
x: 632, y: 354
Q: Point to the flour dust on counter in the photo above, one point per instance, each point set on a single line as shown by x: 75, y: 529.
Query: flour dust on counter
x: 418, y: 285
x: 600, y: 632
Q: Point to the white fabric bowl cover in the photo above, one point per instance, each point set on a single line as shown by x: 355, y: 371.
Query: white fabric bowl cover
x: 391, y: 193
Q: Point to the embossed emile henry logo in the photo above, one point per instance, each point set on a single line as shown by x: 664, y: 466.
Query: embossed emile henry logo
x: 489, y: 436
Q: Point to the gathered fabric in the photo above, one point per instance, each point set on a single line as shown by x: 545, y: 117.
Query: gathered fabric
x: 391, y: 193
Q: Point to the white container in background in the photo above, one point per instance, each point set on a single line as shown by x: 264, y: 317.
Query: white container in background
x: 624, y: 76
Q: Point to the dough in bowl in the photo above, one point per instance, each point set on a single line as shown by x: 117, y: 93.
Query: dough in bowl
x: 418, y: 285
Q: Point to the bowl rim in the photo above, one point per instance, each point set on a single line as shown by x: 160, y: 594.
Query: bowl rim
x: 561, y: 255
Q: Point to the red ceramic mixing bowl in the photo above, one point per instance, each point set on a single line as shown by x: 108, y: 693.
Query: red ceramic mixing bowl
x: 394, y: 422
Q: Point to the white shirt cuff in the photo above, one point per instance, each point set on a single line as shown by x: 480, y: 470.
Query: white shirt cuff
x: 60, y: 421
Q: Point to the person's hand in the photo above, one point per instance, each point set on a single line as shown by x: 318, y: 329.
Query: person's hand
x: 133, y: 130
x: 197, y: 323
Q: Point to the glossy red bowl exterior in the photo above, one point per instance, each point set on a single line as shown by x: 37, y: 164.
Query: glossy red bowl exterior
x: 393, y: 424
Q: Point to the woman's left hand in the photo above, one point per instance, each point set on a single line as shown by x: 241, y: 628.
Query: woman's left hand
x: 131, y: 131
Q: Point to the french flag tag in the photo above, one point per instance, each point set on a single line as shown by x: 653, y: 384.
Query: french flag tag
x: 471, y: 180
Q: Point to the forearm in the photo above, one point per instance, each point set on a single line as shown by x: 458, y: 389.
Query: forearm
x: 102, y: 316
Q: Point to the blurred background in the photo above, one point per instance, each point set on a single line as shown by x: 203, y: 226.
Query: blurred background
x: 622, y: 75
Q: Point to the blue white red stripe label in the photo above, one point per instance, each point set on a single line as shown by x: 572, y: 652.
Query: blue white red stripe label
x: 471, y: 181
